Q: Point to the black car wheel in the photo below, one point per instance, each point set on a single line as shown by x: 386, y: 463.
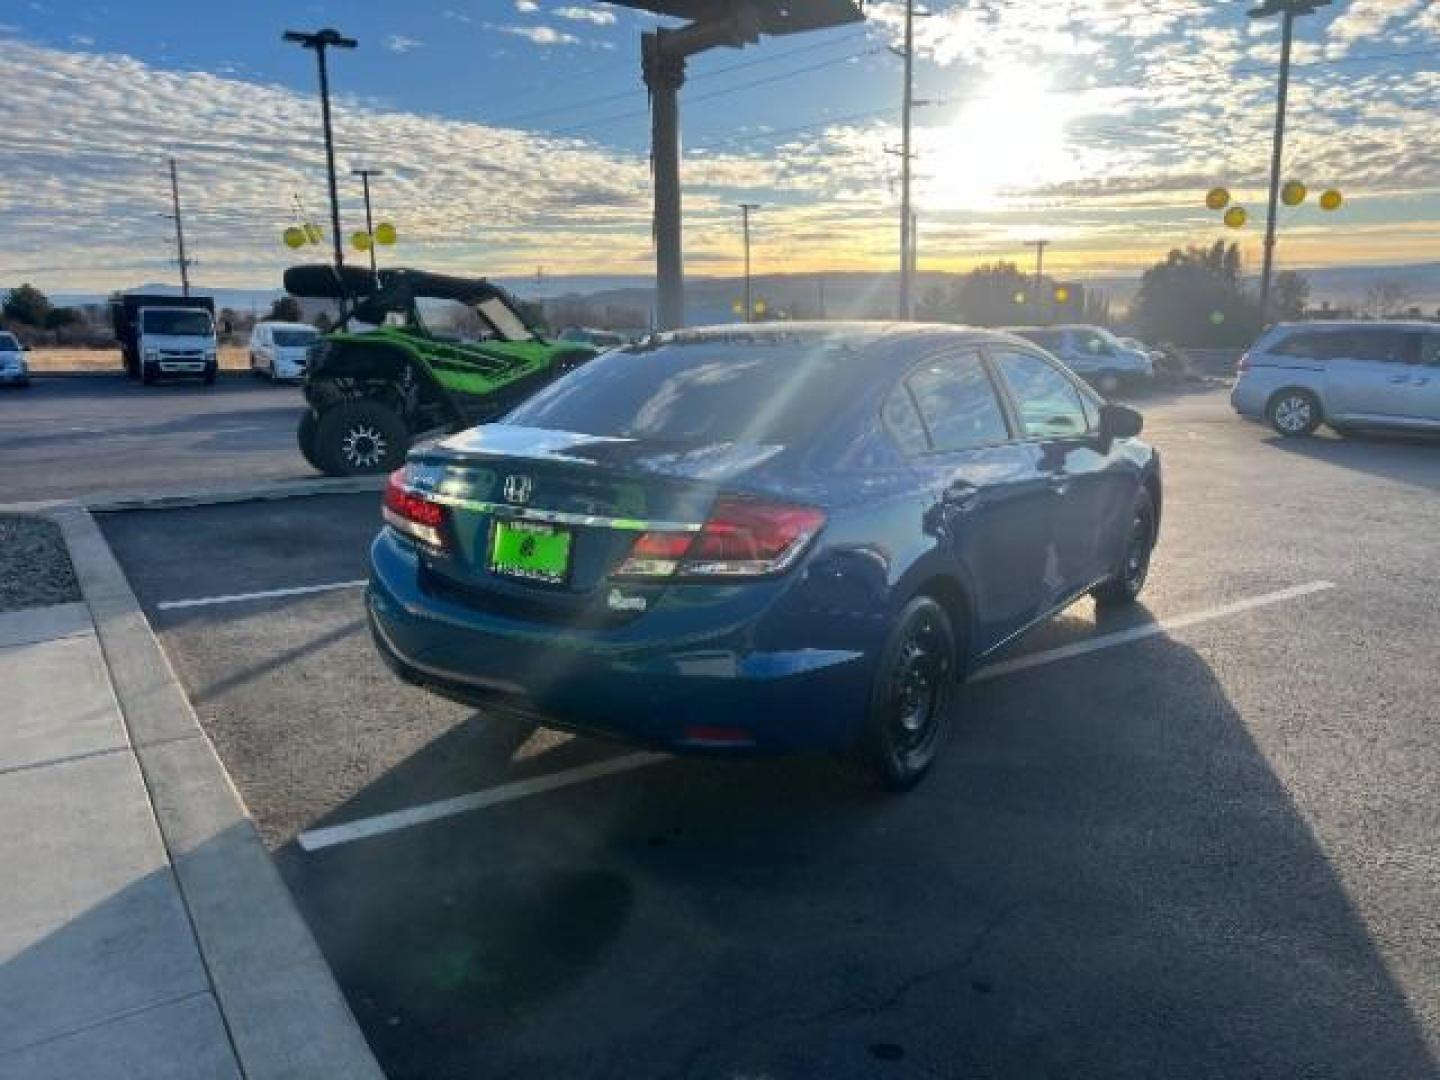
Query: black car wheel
x: 359, y: 437
x: 305, y: 437
x: 1294, y: 412
x: 910, y: 697
x: 1125, y: 584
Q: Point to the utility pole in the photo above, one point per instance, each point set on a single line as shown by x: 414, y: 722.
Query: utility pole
x: 179, y: 231
x: 1039, y: 246
x: 1288, y: 10
x: 745, y: 208
x: 365, y: 175
x: 319, y: 41
x: 907, y: 106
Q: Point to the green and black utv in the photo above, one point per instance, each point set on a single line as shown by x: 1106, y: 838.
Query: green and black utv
x: 414, y: 353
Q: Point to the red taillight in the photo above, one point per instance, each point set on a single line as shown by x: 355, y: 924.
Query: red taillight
x: 413, y: 514
x: 742, y: 538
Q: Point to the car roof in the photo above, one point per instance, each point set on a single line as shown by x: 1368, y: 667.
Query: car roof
x: 911, y: 339
x: 1360, y: 324
x: 278, y: 325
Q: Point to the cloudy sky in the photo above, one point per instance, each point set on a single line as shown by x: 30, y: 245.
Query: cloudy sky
x: 513, y: 135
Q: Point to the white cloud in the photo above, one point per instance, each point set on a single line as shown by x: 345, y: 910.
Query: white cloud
x: 1365, y: 19
x: 539, y: 35
x: 455, y: 16
x: 597, y: 16
x: 399, y: 43
x: 83, y: 41
x: 526, y: 7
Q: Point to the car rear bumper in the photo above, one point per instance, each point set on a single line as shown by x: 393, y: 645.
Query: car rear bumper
x: 708, y: 693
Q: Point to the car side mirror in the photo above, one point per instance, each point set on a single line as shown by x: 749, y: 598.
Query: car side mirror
x: 1120, y: 421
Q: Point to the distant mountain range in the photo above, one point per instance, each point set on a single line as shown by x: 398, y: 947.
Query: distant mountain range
x: 711, y: 299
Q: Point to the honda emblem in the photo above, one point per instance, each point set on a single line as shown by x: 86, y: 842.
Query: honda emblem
x: 517, y: 488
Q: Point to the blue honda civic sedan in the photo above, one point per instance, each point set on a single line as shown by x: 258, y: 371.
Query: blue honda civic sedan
x: 753, y: 539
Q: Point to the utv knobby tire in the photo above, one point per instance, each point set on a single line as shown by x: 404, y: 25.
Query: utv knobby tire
x: 355, y: 438
x: 305, y: 437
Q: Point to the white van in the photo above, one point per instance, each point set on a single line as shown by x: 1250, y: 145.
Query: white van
x: 279, y: 349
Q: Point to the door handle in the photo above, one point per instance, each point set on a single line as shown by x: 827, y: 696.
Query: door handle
x: 1398, y: 378
x: 1059, y: 483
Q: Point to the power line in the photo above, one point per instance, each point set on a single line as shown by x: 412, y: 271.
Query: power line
x: 722, y: 92
x: 587, y: 102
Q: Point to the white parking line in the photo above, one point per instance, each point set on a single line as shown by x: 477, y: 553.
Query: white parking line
x: 331, y: 835
x: 1137, y: 633
x: 364, y: 828
x: 267, y: 594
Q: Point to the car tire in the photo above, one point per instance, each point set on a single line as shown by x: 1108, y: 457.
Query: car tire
x: 1293, y: 413
x: 910, y: 696
x: 357, y: 438
x: 1128, y: 579
x: 305, y: 437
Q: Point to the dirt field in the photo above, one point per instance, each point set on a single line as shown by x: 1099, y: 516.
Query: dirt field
x: 232, y: 358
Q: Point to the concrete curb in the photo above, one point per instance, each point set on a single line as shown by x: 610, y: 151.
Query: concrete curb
x: 284, y: 1011
x: 288, y: 489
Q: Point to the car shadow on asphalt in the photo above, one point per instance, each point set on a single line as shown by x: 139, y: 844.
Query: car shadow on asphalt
x: 1103, y: 876
x: 1413, y: 460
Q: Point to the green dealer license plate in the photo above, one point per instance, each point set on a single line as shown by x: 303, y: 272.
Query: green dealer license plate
x: 534, y: 552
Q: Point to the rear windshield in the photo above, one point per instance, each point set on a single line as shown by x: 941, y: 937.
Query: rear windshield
x: 292, y: 338
x: 195, y: 323
x: 8, y: 343
x: 699, y: 395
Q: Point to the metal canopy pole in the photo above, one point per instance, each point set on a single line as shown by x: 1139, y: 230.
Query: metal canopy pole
x: 664, y: 75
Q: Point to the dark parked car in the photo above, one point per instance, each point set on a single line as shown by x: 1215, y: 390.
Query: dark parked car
x: 746, y: 539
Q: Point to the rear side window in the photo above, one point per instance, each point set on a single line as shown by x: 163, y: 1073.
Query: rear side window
x: 1050, y: 405
x: 904, y: 422
x: 1051, y: 340
x: 698, y: 394
x: 289, y: 339
x: 8, y: 343
x: 1430, y: 350
x: 957, y: 403
x: 1392, y: 346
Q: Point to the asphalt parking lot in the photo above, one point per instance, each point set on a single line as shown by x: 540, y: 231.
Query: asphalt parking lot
x: 1193, y: 839
x: 82, y: 437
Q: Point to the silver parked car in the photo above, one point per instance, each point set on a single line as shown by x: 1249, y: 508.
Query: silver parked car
x: 1343, y: 374
x: 14, y: 371
x: 1092, y: 352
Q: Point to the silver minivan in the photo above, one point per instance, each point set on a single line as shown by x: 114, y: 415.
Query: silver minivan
x: 1344, y: 374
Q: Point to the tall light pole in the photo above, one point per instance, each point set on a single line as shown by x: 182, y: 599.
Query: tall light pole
x: 319, y: 41
x: 1288, y: 10
x: 745, y: 208
x: 365, y: 175
x: 907, y: 106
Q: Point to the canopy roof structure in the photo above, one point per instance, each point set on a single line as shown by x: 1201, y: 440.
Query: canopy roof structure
x: 768, y: 16
x: 663, y: 51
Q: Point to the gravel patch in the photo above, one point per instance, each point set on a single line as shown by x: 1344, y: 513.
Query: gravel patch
x: 35, y: 568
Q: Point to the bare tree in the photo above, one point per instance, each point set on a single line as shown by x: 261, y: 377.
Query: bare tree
x: 1387, y: 299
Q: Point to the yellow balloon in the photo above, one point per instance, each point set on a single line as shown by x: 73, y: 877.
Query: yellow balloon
x: 738, y: 307
x: 1331, y: 200
x: 385, y: 233
x: 360, y: 241
x: 1293, y: 193
x: 1217, y: 198
x: 1019, y: 298
x: 294, y: 237
x: 1062, y: 295
x: 313, y: 233
x: 1236, y: 217
x: 759, y: 307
